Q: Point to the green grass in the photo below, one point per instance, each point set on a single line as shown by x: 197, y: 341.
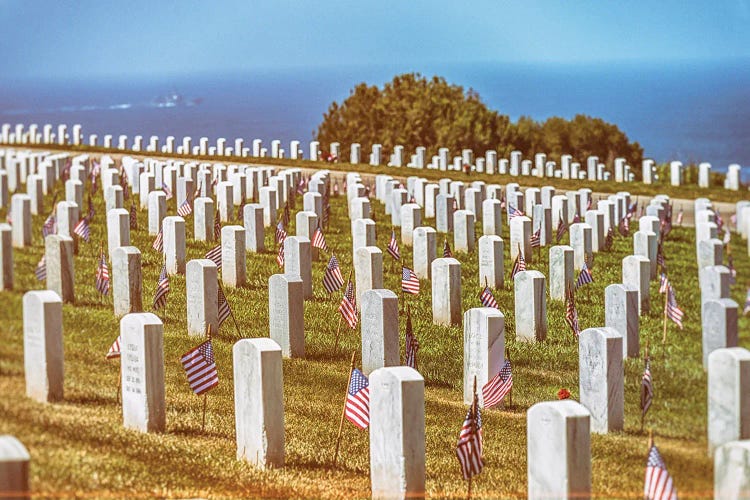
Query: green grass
x: 79, y: 447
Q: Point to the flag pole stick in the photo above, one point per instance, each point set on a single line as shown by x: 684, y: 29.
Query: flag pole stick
x: 666, y: 298
x: 231, y: 313
x: 203, y: 422
x: 119, y: 387
x: 338, y: 328
x: 474, y: 414
x: 643, y: 414
x: 510, y: 392
x: 343, y: 411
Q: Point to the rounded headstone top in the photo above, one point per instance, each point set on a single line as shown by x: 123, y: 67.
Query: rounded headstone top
x: 12, y: 450
x: 397, y: 374
x: 562, y: 408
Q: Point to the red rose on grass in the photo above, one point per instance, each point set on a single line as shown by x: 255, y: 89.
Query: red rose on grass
x: 563, y: 394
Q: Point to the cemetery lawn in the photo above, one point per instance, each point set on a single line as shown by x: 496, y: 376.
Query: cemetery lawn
x: 80, y: 448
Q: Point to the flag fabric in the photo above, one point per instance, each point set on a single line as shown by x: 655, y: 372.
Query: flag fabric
x: 624, y: 226
x: 215, y: 255
x: 518, y: 265
x: 747, y: 303
x: 166, y: 190
x: 663, y: 283
x: 609, y: 240
x: 660, y: 257
x: 133, y: 217
x: 287, y: 215
x: 224, y: 310
x: 487, y: 299
x: 658, y: 484
x: 409, y: 281
x: 280, y: 232
x: 102, y: 276
x: 217, y: 224
x: 357, y: 408
x: 536, y: 240
x: 327, y: 213
x: 318, y: 240
x: 513, y: 212
x: 719, y: 220
x: 469, y: 447
x: 83, y: 229
x: 280, y: 255
x: 647, y: 388
x: 495, y: 390
x: 49, y: 226
x: 348, y: 306
x: 185, y: 208
x: 584, y: 276
x: 114, y: 349
x: 332, y: 279
x: 158, y: 243
x: 412, y: 344
x: 447, y: 250
x: 41, y: 270
x: 571, y: 314
x: 162, y: 289
x: 393, y: 246
x: 200, y: 367
x: 562, y: 228
x: 673, y: 311
x: 576, y: 218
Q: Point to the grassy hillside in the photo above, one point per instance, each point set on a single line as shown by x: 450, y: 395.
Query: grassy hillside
x: 79, y: 447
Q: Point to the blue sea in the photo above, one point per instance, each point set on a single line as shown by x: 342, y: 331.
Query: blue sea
x: 687, y: 111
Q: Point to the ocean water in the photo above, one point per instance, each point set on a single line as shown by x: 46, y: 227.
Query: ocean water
x: 689, y: 111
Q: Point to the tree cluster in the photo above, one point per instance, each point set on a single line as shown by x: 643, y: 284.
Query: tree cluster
x: 413, y: 111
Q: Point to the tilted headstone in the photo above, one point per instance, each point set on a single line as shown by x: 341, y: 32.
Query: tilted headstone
x: 601, y: 378
x: 397, y: 433
x: 127, y: 284
x: 558, y: 457
x: 58, y: 257
x: 202, y: 291
x: 259, y: 402
x: 484, y: 349
x: 561, y: 271
x: 530, y: 306
x: 621, y: 314
x: 43, y: 346
x: 446, y: 291
x: 142, y: 372
x: 380, y: 333
x: 425, y: 251
x: 286, y: 319
x: 728, y: 396
x: 491, y: 266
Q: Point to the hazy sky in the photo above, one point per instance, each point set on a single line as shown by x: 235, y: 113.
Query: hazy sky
x: 108, y: 38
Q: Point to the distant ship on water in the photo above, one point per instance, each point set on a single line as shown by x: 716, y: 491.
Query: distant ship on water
x: 174, y: 99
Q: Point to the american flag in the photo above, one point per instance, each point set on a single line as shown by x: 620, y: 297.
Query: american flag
x: 217, y: 224
x: 487, y: 299
x: 124, y: 184
x: 632, y: 209
x: 719, y: 220
x: 447, y: 250
x: 41, y: 270
x: 318, y: 240
x: 287, y: 215
x: 647, y: 389
x: 571, y: 314
x: 280, y: 254
x: 301, y: 186
x: 224, y: 309
x: 732, y: 270
x: 673, y: 311
x: 200, y: 367
x: 280, y: 232
x: 102, y: 276
x: 215, y: 255
x: 332, y: 279
x: 576, y: 218
x: 357, y: 408
x: 133, y: 217
x: 348, y: 306
x: 393, y: 246
x: 166, y: 190
x: 609, y: 240
x: 83, y: 229
x: 562, y: 227
x: 50, y: 225
x: 679, y: 217
x: 158, y: 243
x: 495, y: 390
x: 747, y: 303
x: 162, y: 289
x: 326, y: 212
x: 584, y: 276
x: 660, y: 257
x: 513, y: 212
x: 624, y: 226
x: 518, y: 265
x: 536, y: 241
x: 469, y: 447
x: 185, y: 208
x: 663, y: 283
x: 114, y: 349
x: 658, y: 484
x: 412, y: 344
x: 409, y: 281
x: 666, y: 228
